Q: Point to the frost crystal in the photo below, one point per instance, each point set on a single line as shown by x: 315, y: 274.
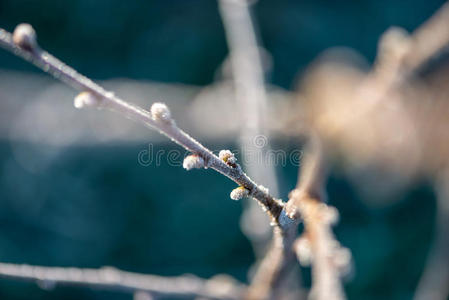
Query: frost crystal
x: 193, y: 162
x: 227, y: 156
x: 160, y: 112
x: 239, y: 193
x: 24, y: 36
x: 85, y: 99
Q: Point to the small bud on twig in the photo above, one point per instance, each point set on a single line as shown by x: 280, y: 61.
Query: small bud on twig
x: 24, y: 37
x: 228, y: 157
x: 239, y: 193
x: 193, y: 162
x: 303, y: 251
x: 160, y: 112
x: 330, y: 214
x: 342, y: 260
x: 85, y: 99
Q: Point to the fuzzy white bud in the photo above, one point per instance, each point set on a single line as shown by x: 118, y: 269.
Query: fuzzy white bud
x: 24, y: 37
x: 193, y: 162
x: 304, y: 251
x: 239, y: 193
x: 160, y: 112
x: 227, y: 156
x: 330, y: 215
x: 342, y: 259
x: 85, y: 99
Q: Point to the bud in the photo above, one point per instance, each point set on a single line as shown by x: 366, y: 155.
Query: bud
x: 227, y: 156
x: 24, y: 37
x: 85, y: 99
x: 193, y: 162
x: 160, y: 112
x: 330, y: 214
x: 304, y: 251
x: 342, y: 259
x: 239, y: 193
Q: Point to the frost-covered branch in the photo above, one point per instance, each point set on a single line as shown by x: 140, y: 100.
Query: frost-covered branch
x: 108, y: 278
x: 317, y: 245
x: 23, y: 44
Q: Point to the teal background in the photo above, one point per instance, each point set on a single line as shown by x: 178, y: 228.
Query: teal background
x: 97, y: 206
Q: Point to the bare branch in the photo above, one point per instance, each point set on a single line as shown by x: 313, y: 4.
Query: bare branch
x: 275, y: 265
x: 160, y: 118
x: 433, y: 282
x: 108, y: 278
x: 318, y: 245
x: 429, y: 39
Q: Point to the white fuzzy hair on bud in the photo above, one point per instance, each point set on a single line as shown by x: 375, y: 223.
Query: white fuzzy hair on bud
x: 160, y: 112
x: 227, y: 156
x: 193, y: 162
x: 342, y: 259
x: 24, y: 37
x: 239, y: 193
x: 304, y: 251
x: 85, y: 99
x: 330, y: 215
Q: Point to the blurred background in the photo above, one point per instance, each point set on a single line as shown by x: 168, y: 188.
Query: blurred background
x: 79, y: 188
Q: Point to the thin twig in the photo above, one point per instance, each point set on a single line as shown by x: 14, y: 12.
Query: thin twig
x: 25, y: 46
x: 275, y: 266
x: 249, y: 86
x: 109, y: 278
x: 428, y: 39
x: 317, y: 245
x: 433, y: 284
x: 251, y: 97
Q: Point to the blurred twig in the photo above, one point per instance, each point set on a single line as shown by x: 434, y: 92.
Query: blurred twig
x: 433, y: 284
x: 109, y: 278
x: 429, y: 39
x: 251, y: 97
x: 318, y: 245
x: 274, y: 266
x: 248, y: 77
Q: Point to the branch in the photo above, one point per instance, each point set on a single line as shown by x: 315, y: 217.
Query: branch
x: 109, y: 278
x: 23, y: 44
x: 275, y: 265
x: 433, y: 284
x: 429, y: 39
x: 317, y: 245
